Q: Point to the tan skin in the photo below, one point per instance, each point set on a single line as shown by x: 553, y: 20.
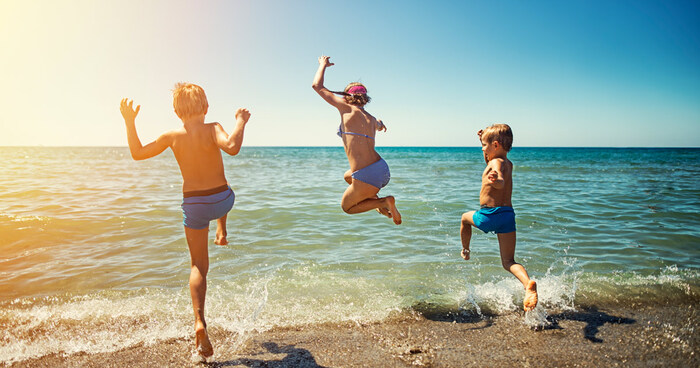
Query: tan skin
x: 196, y: 146
x: 359, y: 196
x: 496, y: 190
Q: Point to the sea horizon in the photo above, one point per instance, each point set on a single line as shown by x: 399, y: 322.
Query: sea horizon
x: 380, y: 146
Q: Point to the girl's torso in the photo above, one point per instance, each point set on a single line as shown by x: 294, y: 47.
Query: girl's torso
x: 358, y: 129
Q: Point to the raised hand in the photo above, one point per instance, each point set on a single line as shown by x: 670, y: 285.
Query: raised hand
x: 127, y: 109
x: 325, y: 61
x: 380, y: 126
x: 242, y: 114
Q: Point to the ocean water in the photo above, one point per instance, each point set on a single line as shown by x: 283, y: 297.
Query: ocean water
x: 93, y: 256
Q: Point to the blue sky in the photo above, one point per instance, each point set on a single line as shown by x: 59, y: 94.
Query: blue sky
x: 573, y: 73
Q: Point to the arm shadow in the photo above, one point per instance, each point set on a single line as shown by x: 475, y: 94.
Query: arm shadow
x: 593, y: 318
x: 296, y: 357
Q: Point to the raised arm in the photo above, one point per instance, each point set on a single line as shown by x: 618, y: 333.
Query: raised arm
x: 139, y: 151
x: 323, y: 63
x: 231, y: 144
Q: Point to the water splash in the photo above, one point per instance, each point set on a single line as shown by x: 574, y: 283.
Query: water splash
x: 556, y: 289
x: 536, y: 318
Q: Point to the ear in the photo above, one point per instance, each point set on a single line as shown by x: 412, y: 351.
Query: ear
x: 496, y: 144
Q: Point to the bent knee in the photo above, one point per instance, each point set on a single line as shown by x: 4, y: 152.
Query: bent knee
x: 345, y: 207
x: 467, y: 218
x: 508, y: 264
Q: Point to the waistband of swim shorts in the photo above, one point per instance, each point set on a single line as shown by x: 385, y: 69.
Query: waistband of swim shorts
x: 505, y: 208
x: 206, y: 192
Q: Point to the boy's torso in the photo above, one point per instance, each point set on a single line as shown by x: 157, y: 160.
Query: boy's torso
x: 199, y: 157
x: 493, y: 197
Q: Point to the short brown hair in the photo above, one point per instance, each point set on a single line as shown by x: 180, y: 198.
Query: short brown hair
x: 500, y: 133
x: 356, y: 99
x: 189, y: 100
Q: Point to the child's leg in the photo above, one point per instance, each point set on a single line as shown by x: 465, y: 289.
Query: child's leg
x: 221, y: 231
x: 465, y: 232
x: 348, y: 178
x: 506, y: 243
x: 362, y: 197
x: 197, y: 241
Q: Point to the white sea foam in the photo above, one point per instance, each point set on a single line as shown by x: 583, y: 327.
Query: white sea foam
x: 110, y: 321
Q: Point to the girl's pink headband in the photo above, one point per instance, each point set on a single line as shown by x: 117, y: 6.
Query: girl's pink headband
x: 357, y: 90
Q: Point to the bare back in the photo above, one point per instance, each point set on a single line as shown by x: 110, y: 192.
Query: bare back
x: 491, y: 196
x: 198, y: 156
x: 359, y: 149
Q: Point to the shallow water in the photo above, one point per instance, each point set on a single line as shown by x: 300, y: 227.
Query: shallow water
x: 91, y: 240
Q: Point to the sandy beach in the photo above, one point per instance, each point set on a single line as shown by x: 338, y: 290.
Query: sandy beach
x: 639, y: 336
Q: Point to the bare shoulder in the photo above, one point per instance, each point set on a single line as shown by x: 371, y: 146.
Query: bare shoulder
x: 497, y: 163
x: 370, y: 116
x: 172, y: 134
x: 343, y: 106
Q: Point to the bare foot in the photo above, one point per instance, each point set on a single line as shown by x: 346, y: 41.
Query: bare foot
x: 465, y: 254
x: 384, y: 212
x: 220, y: 239
x: 393, y: 211
x: 530, y: 296
x: 202, y: 343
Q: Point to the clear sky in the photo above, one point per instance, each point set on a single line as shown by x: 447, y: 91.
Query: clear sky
x: 561, y: 73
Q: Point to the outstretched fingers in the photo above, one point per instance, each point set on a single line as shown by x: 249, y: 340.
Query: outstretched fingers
x: 127, y: 109
x: 325, y: 60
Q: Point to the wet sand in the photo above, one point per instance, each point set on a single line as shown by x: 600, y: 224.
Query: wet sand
x: 592, y: 336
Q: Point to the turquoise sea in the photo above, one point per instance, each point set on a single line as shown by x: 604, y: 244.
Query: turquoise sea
x: 93, y: 256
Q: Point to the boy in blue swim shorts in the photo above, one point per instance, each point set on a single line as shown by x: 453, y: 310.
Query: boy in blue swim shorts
x: 496, y: 213
x: 206, y: 194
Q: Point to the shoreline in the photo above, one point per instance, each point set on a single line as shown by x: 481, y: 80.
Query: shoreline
x: 644, y: 334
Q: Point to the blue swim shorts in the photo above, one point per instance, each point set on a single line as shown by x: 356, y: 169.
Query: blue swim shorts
x: 198, y: 210
x: 495, y: 219
x: 376, y: 174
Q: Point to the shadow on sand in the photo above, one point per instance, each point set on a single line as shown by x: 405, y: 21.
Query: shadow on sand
x: 593, y: 318
x: 295, y: 357
x: 436, y: 313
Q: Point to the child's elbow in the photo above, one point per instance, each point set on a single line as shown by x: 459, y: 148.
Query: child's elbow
x: 233, y: 150
x: 137, y: 157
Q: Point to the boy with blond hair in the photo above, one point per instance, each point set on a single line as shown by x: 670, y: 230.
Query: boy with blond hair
x: 206, y: 193
x: 496, y: 213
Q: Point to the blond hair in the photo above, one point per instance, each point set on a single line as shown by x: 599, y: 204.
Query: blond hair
x: 189, y: 100
x: 500, y: 133
x: 358, y: 99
